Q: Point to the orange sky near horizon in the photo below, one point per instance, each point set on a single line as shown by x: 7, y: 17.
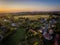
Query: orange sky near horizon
x: 22, y: 6
x: 24, y: 9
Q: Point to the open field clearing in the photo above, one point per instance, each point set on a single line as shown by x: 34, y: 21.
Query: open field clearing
x: 32, y: 16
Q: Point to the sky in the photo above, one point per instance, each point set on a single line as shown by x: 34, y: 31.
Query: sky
x: 29, y: 5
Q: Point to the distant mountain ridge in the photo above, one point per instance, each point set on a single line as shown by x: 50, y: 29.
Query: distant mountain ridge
x: 33, y: 13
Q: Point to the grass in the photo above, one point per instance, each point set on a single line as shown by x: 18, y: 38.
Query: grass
x: 15, y: 38
x: 34, y: 17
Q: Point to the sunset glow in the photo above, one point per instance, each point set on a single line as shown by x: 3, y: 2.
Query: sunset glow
x: 29, y: 5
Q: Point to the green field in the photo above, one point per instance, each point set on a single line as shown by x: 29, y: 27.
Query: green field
x: 32, y: 16
x: 15, y: 38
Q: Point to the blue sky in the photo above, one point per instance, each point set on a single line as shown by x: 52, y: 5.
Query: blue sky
x: 30, y: 5
x: 53, y: 2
